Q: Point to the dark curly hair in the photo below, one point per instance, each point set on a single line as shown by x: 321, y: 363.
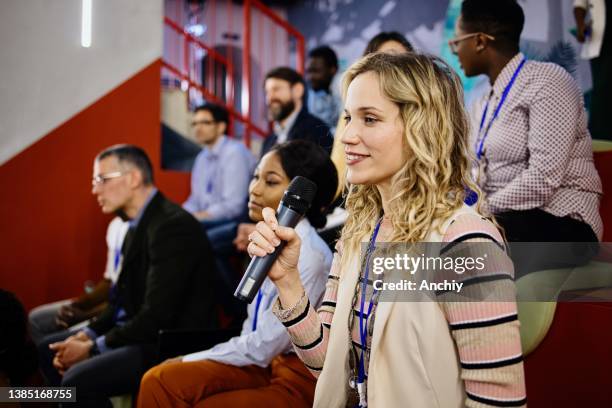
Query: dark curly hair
x: 379, y: 39
x: 503, y: 19
x: 306, y: 159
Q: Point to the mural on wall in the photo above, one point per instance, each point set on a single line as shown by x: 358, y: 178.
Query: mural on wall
x: 472, y: 86
x: 347, y: 26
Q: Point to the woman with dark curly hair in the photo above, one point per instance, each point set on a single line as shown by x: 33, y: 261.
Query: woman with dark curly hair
x: 258, y: 365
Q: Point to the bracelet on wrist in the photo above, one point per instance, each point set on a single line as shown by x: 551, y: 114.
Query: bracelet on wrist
x: 284, y: 313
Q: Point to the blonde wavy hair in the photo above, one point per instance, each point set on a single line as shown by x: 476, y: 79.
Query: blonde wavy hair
x: 433, y: 181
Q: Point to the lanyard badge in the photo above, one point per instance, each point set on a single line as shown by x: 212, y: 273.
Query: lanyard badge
x: 360, y: 384
x: 481, y: 140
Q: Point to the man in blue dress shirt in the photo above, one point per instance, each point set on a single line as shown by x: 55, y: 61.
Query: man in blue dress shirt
x: 222, y: 170
x: 219, y: 191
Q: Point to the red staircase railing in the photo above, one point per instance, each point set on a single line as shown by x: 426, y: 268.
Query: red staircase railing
x: 266, y: 40
x: 247, y: 50
x: 186, y: 74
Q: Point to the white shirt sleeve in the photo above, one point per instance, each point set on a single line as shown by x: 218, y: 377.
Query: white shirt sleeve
x: 270, y: 338
x: 257, y: 347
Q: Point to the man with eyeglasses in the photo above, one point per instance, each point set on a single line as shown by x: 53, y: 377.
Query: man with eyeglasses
x: 219, y: 193
x: 166, y: 267
x: 222, y: 170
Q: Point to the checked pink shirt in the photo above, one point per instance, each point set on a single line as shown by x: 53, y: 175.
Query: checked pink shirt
x: 538, y: 151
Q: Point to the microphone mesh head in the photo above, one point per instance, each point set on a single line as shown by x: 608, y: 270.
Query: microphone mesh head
x: 299, y: 194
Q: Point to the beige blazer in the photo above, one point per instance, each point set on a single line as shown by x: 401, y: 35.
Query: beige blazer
x: 413, y: 360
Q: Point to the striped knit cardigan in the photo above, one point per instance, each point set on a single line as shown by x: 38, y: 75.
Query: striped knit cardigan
x: 424, y: 354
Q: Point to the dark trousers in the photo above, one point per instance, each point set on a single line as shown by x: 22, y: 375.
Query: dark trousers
x: 221, y: 235
x: 558, y: 242
x: 115, y: 372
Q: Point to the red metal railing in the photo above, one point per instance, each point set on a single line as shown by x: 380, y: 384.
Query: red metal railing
x: 247, y: 51
x: 185, y: 74
x: 191, y: 39
x: 285, y: 26
x: 184, y: 56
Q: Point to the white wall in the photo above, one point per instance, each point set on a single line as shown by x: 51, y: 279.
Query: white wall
x: 46, y: 77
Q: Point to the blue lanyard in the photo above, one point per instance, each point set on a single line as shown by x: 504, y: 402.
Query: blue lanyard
x: 117, y: 250
x: 471, y: 197
x: 363, y: 322
x: 496, y: 112
x: 114, y: 291
x: 118, y: 244
x: 117, y: 259
x: 209, y: 185
x: 259, y: 297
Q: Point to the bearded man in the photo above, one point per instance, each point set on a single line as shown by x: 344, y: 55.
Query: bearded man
x: 285, y: 96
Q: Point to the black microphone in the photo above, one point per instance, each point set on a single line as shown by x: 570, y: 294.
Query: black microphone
x: 291, y: 209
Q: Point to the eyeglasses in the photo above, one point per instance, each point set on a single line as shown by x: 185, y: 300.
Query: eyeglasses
x: 101, y: 179
x: 454, y: 42
x: 202, y: 122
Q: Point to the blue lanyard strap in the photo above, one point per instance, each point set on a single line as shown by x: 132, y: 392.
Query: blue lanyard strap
x: 117, y: 259
x: 209, y: 185
x: 480, y: 142
x: 363, y: 322
x: 257, y: 304
x: 117, y: 250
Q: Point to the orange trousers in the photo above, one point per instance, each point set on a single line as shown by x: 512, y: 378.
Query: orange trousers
x: 284, y: 383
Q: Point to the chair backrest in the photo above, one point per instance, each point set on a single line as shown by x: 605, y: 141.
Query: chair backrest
x: 602, y: 155
x: 535, y: 316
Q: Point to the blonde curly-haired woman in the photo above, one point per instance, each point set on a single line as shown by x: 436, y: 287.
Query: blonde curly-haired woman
x: 406, y: 148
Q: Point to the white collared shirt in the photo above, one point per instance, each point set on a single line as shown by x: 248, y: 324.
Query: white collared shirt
x: 115, y: 233
x: 270, y: 338
x: 282, y: 132
x: 597, y: 11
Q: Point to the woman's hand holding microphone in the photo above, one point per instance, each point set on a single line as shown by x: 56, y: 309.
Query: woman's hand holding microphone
x: 284, y: 272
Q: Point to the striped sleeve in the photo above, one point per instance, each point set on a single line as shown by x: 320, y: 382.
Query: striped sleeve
x: 309, y: 330
x: 487, y: 333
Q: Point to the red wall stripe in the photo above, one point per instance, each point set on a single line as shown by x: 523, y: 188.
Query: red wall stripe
x: 603, y: 163
x: 52, y: 233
